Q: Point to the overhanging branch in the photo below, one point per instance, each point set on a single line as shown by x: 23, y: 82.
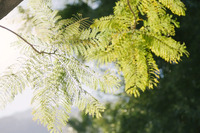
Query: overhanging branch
x: 134, y: 26
x: 31, y: 45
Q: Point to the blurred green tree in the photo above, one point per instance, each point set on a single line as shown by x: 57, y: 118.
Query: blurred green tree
x: 104, y: 8
x: 173, y: 107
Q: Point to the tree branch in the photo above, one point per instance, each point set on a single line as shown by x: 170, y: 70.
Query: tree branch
x: 7, y: 5
x: 132, y: 13
x: 31, y: 45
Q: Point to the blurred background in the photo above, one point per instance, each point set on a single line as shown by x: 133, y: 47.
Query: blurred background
x: 172, y: 107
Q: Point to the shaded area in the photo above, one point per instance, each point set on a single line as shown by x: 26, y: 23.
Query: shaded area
x: 105, y: 8
x: 6, y: 6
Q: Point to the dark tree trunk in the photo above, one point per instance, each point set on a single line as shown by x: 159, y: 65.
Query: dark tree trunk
x: 7, y: 5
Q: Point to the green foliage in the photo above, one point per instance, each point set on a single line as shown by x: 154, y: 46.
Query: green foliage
x: 173, y: 107
x: 136, y: 32
x: 130, y: 37
x: 10, y: 85
x: 50, y: 68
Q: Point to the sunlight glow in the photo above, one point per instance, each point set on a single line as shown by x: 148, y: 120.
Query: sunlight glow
x: 8, y: 56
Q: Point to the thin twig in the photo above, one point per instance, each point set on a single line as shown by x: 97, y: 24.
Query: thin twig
x: 31, y: 45
x: 132, y: 13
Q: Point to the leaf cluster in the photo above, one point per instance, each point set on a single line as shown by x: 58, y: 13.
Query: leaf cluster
x: 138, y: 31
x: 58, y: 79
